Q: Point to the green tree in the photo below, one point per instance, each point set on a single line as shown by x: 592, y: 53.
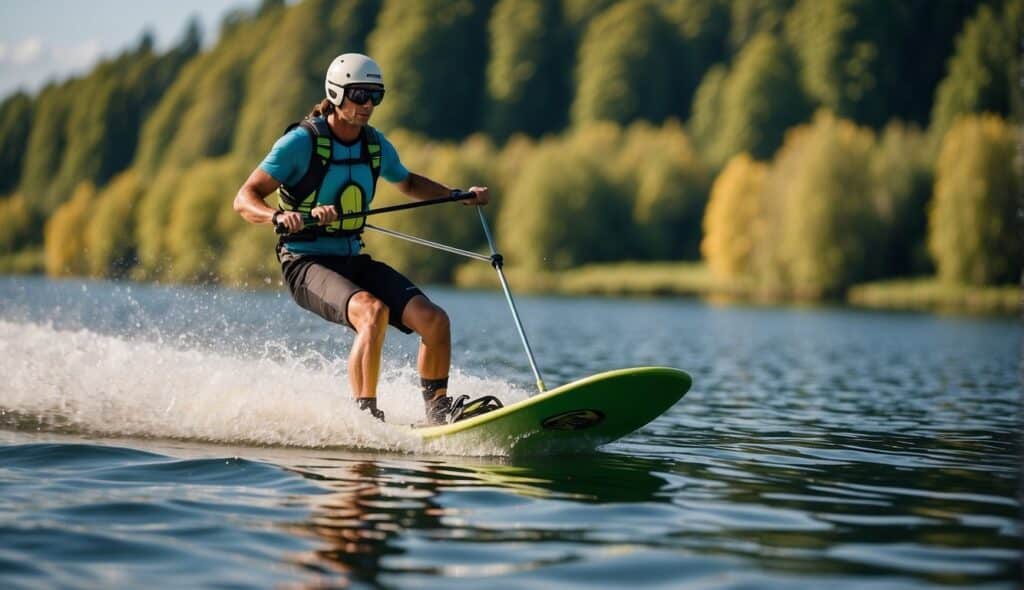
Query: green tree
x: 152, y: 213
x: 748, y: 18
x: 843, y: 47
x: 670, y: 184
x: 109, y: 229
x: 919, y: 53
x: 141, y: 86
x: 106, y: 115
x: 902, y: 175
x: 829, y: 222
x: 982, y: 72
x: 197, y: 116
x: 86, y: 129
x: 700, y: 40
x: 81, y: 159
x: 433, y: 54
x: 469, y: 163
x: 46, y: 143
x: 566, y: 210
x: 205, y: 129
x: 528, y: 85
x: 623, y: 71
x: 731, y: 219
x: 760, y: 101
x: 201, y: 221
x: 286, y: 77
x: 579, y: 13
x: 706, y: 114
x: 973, y: 230
x: 15, y: 124
x: 249, y: 259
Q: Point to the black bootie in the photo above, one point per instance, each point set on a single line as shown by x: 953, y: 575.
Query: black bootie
x: 437, y: 408
x: 369, y: 404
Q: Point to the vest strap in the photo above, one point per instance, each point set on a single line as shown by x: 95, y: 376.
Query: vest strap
x: 303, y: 195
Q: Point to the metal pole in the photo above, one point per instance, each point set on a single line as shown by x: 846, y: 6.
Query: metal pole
x: 422, y: 242
x: 496, y: 262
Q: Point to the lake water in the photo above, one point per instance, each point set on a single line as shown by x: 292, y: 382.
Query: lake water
x: 155, y: 436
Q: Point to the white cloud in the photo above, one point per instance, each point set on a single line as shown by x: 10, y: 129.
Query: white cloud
x: 27, y: 51
x: 28, y: 64
x: 23, y: 52
x: 60, y: 58
x: 77, y: 57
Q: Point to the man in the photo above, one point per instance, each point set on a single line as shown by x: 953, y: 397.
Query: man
x: 327, y: 166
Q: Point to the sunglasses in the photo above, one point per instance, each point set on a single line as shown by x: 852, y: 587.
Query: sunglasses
x: 361, y: 95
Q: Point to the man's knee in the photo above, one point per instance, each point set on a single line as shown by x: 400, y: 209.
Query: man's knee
x: 367, y: 312
x: 434, y: 323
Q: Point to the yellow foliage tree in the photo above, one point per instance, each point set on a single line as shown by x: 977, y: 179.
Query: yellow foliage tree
x: 64, y: 238
x: 974, y: 232
x: 18, y: 224
x: 732, y: 215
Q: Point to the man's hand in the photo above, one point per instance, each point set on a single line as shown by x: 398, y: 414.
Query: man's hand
x: 325, y: 214
x: 483, y: 196
x: 291, y: 220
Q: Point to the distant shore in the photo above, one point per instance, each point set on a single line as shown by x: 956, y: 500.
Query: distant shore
x: 695, y: 280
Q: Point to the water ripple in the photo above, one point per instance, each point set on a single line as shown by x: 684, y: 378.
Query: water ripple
x: 157, y: 439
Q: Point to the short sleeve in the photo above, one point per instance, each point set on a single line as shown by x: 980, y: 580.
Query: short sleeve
x: 289, y: 158
x: 391, y: 167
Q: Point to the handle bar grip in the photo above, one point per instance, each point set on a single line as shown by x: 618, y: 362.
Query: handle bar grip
x: 455, y: 195
x: 307, y: 220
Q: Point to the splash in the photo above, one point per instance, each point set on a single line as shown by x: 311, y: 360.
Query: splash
x: 84, y: 382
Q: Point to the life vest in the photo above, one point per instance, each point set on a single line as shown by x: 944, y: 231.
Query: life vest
x: 351, y: 198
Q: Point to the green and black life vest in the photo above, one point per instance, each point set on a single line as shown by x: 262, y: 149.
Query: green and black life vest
x: 302, y: 196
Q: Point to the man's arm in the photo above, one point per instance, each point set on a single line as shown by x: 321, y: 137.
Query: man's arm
x: 421, y: 188
x: 250, y: 201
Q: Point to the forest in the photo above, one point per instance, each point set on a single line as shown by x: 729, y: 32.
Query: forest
x: 793, y: 149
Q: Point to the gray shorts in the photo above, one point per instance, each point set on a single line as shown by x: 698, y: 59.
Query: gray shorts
x: 324, y: 285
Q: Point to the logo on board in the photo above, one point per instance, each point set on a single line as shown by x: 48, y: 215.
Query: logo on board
x: 574, y: 420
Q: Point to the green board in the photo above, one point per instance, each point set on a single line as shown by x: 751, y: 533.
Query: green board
x: 577, y: 416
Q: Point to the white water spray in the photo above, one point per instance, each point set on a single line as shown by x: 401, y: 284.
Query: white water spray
x: 85, y: 382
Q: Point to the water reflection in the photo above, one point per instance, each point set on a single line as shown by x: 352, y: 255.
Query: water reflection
x: 847, y: 507
x: 401, y: 516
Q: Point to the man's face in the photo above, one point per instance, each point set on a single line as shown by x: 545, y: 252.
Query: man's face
x: 360, y: 100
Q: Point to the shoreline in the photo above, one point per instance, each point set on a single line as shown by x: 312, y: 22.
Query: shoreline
x: 693, y: 279
x: 684, y: 279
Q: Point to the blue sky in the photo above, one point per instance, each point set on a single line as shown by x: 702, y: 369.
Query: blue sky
x: 42, y: 40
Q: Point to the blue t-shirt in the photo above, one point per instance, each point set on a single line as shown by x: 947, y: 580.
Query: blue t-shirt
x: 287, y: 163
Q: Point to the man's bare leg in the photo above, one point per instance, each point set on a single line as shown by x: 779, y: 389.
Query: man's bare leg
x: 435, y: 353
x: 369, y: 316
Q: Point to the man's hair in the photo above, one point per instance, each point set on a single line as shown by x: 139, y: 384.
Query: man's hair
x: 321, y: 109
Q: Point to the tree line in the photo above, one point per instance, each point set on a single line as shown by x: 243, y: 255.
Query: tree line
x: 803, y: 145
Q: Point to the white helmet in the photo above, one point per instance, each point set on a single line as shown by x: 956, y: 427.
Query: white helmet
x: 350, y: 68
